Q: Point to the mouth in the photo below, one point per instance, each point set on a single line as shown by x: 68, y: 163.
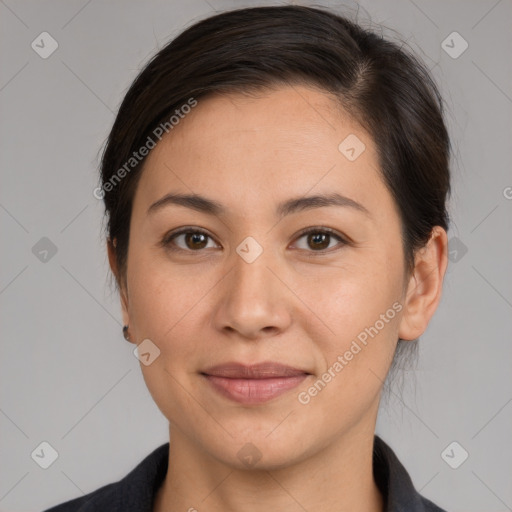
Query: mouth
x: 253, y: 384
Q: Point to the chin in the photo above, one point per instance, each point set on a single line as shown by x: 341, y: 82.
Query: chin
x: 257, y: 450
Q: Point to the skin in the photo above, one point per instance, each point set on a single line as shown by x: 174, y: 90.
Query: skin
x: 207, y: 305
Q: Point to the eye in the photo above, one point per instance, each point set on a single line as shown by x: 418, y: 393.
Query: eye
x: 319, y: 239
x: 193, y: 239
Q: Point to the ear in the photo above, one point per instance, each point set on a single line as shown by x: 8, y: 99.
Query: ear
x: 425, y: 285
x: 111, y: 250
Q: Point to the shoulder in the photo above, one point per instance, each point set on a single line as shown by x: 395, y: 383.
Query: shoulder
x: 134, y: 493
x: 395, y: 483
x: 429, y: 506
x: 95, y: 500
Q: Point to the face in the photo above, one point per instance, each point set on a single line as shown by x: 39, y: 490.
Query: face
x: 315, y: 286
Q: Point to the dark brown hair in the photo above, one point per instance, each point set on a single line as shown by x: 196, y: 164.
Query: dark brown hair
x: 386, y: 89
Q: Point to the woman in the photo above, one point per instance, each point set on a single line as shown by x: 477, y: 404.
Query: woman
x: 275, y: 184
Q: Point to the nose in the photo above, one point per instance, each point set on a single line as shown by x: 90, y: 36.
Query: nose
x: 253, y: 300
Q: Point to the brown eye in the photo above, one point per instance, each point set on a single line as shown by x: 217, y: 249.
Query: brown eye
x: 187, y: 240
x: 195, y: 240
x: 320, y: 240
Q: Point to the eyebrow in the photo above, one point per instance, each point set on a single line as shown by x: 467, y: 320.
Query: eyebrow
x: 288, y: 207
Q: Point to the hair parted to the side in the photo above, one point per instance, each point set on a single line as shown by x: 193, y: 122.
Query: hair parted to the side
x: 386, y: 89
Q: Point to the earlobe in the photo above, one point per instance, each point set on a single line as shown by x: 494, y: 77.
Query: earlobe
x: 425, y: 285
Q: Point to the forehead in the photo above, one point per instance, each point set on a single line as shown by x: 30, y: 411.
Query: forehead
x: 272, y: 144
x: 295, y: 117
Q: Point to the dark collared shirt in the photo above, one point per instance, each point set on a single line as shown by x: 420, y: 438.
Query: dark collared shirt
x: 136, y: 491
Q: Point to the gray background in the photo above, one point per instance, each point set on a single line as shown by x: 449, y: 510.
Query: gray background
x: 67, y: 375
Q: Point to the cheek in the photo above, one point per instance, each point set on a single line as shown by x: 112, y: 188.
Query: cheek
x: 164, y: 307
x: 161, y: 303
x: 167, y: 306
x: 354, y: 298
x: 361, y: 309
x: 338, y: 301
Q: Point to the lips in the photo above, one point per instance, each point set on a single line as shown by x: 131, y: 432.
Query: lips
x: 253, y: 384
x: 255, y: 371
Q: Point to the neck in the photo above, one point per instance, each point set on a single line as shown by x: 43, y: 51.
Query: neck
x: 338, y: 478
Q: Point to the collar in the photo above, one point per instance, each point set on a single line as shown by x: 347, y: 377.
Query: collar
x: 395, y: 484
x: 136, y: 490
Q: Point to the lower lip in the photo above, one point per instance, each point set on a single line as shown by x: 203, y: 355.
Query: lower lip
x: 254, y: 391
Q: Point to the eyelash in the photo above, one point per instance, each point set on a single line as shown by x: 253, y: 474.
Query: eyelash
x: 168, y: 239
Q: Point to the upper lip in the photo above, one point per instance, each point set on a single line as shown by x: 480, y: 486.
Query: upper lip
x: 263, y: 370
